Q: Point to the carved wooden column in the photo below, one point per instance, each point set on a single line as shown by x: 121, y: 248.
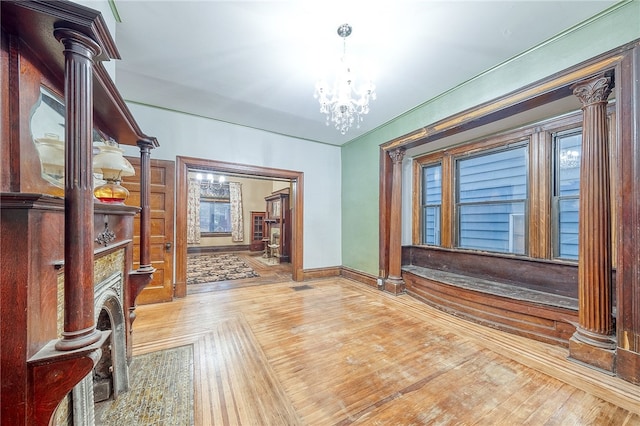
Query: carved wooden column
x: 394, y: 283
x: 145, y: 213
x: 79, y: 325
x: 594, y: 340
x: 141, y: 277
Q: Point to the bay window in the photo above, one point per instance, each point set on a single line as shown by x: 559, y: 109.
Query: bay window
x: 515, y: 193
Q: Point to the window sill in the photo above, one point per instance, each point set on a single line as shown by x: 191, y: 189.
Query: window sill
x: 215, y: 234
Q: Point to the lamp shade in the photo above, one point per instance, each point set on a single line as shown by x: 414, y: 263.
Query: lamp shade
x: 111, y: 163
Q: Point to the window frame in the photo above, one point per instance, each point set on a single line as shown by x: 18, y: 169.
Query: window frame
x: 555, y: 198
x: 514, y: 144
x: 214, y: 201
x: 424, y: 205
x: 540, y: 180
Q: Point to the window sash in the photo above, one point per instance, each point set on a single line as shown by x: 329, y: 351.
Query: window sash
x: 431, y: 204
x: 566, y: 192
x: 492, y: 194
x: 215, y: 216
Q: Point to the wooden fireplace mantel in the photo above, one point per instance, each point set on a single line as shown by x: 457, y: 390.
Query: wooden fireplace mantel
x: 47, y: 240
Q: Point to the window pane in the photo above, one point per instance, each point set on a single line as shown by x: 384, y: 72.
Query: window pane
x: 205, y: 216
x: 568, y: 228
x: 492, y: 192
x: 501, y: 176
x: 221, y: 217
x: 431, y: 201
x: 568, y: 150
x: 568, y: 164
x: 432, y: 185
x: 215, y: 216
x: 493, y: 227
x: 431, y: 226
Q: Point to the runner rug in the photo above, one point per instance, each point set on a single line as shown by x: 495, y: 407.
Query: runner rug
x: 161, y: 392
x: 207, y: 268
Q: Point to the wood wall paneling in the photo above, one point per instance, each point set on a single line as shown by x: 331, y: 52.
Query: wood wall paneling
x: 628, y: 217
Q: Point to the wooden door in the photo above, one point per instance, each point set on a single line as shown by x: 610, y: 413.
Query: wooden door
x: 161, y: 240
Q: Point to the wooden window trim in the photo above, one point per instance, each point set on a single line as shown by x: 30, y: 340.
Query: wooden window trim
x: 539, y: 138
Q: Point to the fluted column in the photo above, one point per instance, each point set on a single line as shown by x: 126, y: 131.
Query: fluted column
x: 142, y: 276
x: 394, y: 283
x: 79, y: 324
x: 145, y: 212
x: 594, y: 339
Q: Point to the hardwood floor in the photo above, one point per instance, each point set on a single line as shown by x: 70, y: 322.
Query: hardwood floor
x: 336, y: 352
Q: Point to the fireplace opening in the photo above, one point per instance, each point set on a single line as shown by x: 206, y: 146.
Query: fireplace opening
x: 110, y: 376
x: 103, y: 371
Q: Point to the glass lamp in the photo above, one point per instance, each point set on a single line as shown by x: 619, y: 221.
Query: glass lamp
x: 111, y: 163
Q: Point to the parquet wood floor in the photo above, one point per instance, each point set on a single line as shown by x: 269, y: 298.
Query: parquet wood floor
x: 341, y: 353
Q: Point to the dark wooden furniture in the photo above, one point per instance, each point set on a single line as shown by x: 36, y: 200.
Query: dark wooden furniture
x: 64, y: 260
x: 278, y: 223
x: 257, y: 231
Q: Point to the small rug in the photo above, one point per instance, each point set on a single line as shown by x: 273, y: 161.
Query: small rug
x: 161, y: 392
x: 207, y: 268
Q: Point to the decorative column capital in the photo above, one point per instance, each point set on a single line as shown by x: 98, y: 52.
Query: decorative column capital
x: 77, y: 43
x: 397, y: 155
x: 595, y: 89
x: 145, y: 146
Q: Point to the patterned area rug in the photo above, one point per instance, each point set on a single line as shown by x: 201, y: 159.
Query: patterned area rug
x: 161, y: 392
x: 207, y: 268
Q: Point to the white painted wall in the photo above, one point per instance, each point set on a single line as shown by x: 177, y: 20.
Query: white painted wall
x: 187, y: 135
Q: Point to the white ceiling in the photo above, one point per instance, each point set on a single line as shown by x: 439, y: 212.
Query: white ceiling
x: 255, y: 63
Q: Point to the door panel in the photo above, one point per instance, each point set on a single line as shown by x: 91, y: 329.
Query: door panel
x: 161, y: 240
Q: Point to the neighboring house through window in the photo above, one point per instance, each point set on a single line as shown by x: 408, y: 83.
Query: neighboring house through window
x: 486, y: 195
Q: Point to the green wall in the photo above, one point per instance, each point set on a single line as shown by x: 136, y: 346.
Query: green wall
x: 617, y: 26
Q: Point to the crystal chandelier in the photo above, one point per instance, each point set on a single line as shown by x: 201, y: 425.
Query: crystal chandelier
x: 344, y: 104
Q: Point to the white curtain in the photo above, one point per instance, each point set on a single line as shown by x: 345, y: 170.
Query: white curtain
x: 235, y: 202
x: 193, y: 212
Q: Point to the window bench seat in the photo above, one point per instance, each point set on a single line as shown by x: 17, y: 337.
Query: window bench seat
x: 539, y: 315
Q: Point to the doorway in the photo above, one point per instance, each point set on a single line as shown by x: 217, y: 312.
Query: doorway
x: 185, y: 164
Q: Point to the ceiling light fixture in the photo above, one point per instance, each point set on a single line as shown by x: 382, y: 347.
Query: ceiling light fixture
x: 344, y: 104
x: 212, y: 186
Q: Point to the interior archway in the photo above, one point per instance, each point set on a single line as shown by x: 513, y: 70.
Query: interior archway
x: 184, y: 164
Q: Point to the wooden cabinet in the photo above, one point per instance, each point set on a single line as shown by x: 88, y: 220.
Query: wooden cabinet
x: 257, y: 231
x: 68, y: 284
x: 278, y: 223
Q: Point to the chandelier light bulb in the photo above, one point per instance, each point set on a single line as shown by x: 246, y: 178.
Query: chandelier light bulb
x: 343, y: 104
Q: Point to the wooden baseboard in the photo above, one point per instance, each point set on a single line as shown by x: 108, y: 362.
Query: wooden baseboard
x: 359, y: 276
x: 215, y: 249
x: 628, y: 365
x: 311, y: 274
